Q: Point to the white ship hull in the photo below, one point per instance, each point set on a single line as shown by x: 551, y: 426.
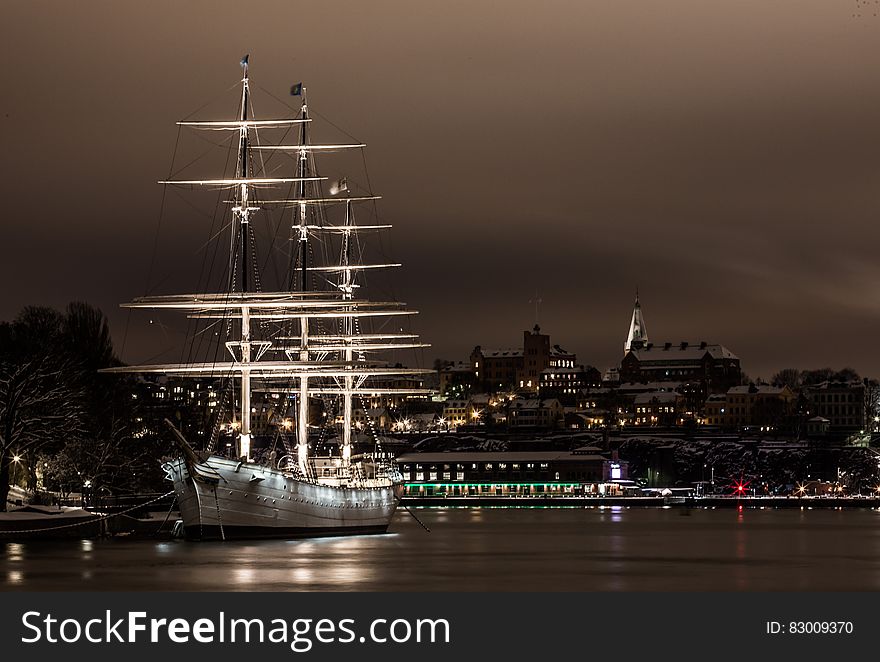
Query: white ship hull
x: 247, y: 500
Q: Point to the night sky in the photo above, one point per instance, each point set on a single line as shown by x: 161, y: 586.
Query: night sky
x: 721, y: 157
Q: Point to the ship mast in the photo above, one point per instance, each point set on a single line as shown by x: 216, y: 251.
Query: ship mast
x: 302, y: 448
x: 306, y: 368
x: 347, y: 287
x: 243, y: 212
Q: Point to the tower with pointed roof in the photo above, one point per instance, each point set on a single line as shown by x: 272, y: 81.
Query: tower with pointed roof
x: 638, y: 332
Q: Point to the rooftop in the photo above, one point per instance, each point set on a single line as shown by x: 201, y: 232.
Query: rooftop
x: 683, y: 351
x: 659, y: 396
x: 497, y: 456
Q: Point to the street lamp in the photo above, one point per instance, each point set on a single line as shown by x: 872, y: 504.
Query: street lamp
x: 16, y: 460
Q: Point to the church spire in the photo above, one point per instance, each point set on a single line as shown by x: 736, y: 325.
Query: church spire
x: 638, y: 333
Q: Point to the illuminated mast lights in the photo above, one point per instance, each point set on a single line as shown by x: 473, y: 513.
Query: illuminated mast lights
x: 305, y: 366
x: 243, y: 211
x: 302, y: 448
x: 347, y: 287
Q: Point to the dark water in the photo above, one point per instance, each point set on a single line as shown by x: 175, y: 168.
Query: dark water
x: 610, y: 549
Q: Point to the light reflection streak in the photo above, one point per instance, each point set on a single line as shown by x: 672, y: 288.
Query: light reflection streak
x: 15, y: 551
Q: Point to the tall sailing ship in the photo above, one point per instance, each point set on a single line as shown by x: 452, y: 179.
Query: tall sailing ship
x: 316, y: 339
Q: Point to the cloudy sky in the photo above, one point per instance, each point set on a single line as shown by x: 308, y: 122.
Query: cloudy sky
x: 721, y: 157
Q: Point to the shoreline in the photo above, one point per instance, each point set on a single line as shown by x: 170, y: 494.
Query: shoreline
x: 643, y: 502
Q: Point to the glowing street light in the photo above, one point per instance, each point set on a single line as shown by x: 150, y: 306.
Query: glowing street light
x: 16, y: 459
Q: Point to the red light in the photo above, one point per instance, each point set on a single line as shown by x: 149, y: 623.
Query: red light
x: 739, y: 487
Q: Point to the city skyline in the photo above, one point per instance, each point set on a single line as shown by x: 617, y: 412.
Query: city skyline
x: 581, y: 160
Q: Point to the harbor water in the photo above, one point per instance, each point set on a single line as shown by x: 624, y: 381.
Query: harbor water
x: 491, y: 549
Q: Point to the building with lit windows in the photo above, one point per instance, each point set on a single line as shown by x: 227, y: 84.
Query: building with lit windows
x: 763, y: 407
x: 457, y: 413
x: 534, y: 367
x: 455, y: 379
x: 508, y: 473
x: 713, y: 366
x: 535, y: 414
x: 658, y: 408
x: 843, y: 404
x: 496, y: 370
x: 714, y: 409
x: 568, y: 380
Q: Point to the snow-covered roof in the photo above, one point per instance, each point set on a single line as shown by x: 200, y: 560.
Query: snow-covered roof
x: 458, y: 367
x: 576, y: 370
x: 501, y: 353
x: 762, y: 389
x: 684, y: 351
x: 831, y: 385
x: 658, y: 396
x: 496, y: 456
x: 637, y: 387
x: 545, y: 403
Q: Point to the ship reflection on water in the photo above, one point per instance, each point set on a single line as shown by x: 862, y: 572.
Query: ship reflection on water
x: 503, y: 549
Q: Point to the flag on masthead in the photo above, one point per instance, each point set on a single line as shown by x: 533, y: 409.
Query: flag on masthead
x: 339, y: 186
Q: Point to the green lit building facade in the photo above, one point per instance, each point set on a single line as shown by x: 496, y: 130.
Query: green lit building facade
x: 513, y: 474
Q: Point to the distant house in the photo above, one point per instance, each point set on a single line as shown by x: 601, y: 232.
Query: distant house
x: 545, y: 414
x: 759, y: 406
x: 842, y: 403
x: 657, y: 408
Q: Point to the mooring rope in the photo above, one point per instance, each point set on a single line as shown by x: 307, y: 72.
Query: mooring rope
x: 167, y: 515
x: 99, y: 518
x: 413, y: 515
x: 219, y: 521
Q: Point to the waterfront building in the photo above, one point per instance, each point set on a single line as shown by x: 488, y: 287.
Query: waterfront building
x: 511, y: 473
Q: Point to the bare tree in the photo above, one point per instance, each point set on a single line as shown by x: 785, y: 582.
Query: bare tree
x: 37, y: 408
x: 790, y: 377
